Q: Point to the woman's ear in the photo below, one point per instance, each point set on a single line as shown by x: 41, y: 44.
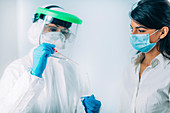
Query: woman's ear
x: 164, y: 32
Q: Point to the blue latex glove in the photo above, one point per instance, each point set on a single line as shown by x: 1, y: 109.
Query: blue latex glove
x: 40, y: 55
x: 91, y: 104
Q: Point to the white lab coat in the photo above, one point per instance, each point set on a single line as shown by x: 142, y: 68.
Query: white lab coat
x: 59, y: 90
x: 150, y: 94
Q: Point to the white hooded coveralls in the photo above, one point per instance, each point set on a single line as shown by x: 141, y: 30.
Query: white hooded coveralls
x: 59, y: 90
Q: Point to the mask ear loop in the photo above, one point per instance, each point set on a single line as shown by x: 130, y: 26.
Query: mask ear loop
x: 154, y: 33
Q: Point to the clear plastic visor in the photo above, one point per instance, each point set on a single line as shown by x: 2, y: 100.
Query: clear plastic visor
x: 60, y: 33
x: 53, y: 25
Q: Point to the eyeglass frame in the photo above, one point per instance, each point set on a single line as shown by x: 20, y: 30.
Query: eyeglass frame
x: 58, y: 29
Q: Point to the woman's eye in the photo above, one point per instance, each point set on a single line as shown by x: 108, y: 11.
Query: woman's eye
x: 141, y: 31
x: 53, y: 29
x: 131, y: 29
x: 64, y: 31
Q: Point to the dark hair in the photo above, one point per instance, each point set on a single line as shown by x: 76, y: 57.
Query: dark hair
x: 154, y: 14
x: 54, y: 21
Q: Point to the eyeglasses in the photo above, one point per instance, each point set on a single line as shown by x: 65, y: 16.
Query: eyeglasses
x: 64, y: 31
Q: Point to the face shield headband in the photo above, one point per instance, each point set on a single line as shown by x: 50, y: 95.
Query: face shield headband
x: 67, y: 17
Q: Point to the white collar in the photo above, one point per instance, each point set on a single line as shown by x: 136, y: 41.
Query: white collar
x: 160, y: 59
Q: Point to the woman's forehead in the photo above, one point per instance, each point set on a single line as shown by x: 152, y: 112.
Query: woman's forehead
x: 136, y: 24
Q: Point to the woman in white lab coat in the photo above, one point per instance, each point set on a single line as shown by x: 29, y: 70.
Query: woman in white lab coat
x: 145, y: 86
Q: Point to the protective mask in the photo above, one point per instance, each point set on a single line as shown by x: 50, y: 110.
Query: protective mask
x: 56, y: 38
x: 141, y: 42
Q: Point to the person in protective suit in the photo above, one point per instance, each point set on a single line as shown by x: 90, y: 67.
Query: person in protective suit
x: 43, y: 81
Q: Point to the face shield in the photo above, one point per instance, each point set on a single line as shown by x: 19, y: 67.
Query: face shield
x: 58, y: 28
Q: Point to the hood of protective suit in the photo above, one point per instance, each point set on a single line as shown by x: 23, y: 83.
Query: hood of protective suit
x: 34, y: 32
x: 35, y: 29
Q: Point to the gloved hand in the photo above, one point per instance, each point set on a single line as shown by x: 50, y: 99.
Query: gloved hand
x: 91, y: 104
x: 40, y: 55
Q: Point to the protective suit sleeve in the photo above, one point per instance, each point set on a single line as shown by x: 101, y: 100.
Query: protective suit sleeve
x: 18, y: 89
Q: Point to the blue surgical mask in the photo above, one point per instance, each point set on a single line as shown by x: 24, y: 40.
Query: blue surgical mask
x: 141, y: 42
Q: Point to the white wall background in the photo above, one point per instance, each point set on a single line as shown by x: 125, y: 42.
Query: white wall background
x: 8, y: 37
x: 102, y: 44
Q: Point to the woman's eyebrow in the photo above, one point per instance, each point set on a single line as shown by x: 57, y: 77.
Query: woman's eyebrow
x: 141, y: 27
